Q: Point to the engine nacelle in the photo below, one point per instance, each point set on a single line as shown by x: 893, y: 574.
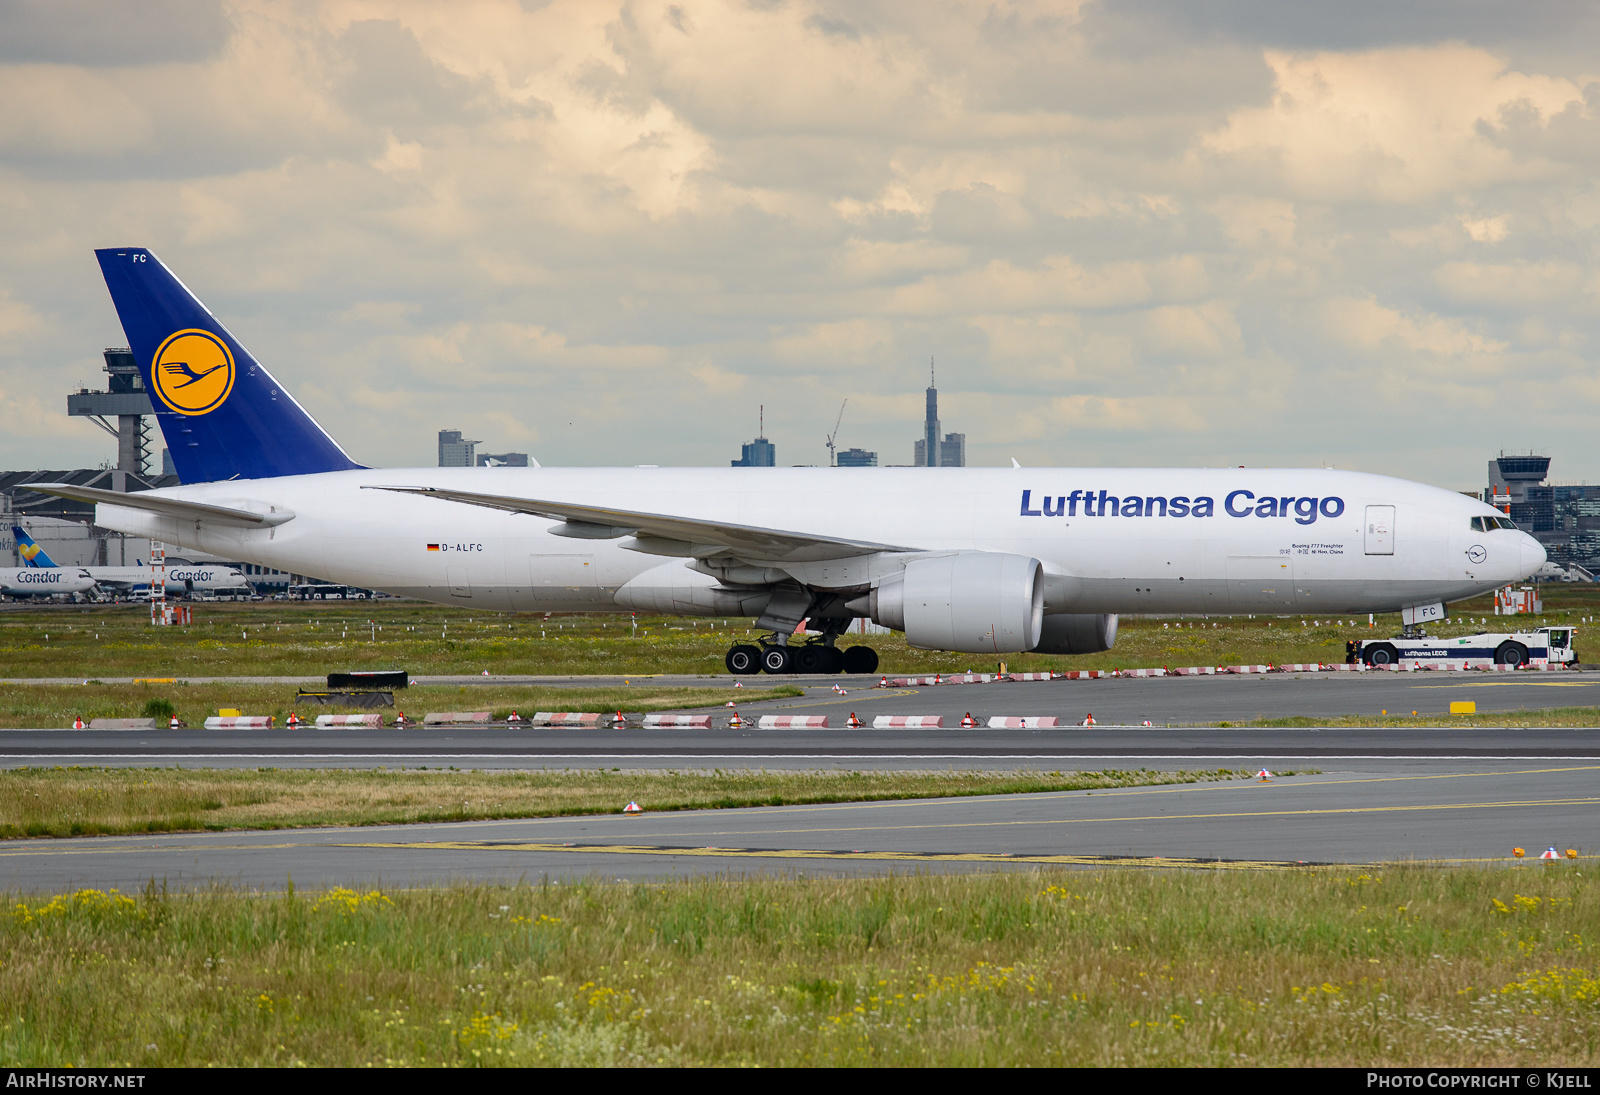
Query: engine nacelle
x: 1077, y: 633
x: 977, y: 602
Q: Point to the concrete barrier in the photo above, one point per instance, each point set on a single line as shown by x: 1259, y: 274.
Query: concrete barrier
x: 1141, y: 672
x: 1300, y: 667
x: 454, y: 718
x: 660, y: 721
x: 1086, y: 674
x: 1195, y: 671
x: 892, y: 722
x: 239, y: 722
x: 565, y: 718
x: 369, y: 722
x: 122, y: 724
x: 793, y: 722
x: 1033, y: 676
x: 1022, y: 722
x: 1249, y: 669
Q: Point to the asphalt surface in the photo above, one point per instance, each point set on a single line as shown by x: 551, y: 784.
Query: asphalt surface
x: 1378, y: 794
x: 1354, y: 815
x: 1177, y: 708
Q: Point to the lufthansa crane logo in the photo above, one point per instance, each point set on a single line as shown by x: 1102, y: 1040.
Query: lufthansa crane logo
x: 193, y: 372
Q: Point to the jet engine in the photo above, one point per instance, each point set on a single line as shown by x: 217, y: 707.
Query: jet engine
x: 977, y: 602
x: 1077, y: 633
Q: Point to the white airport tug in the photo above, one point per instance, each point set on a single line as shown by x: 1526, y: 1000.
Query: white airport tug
x: 1542, y: 645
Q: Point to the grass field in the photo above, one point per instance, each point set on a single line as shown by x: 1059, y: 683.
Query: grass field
x: 1403, y: 966
x: 289, y: 639
x: 73, y: 801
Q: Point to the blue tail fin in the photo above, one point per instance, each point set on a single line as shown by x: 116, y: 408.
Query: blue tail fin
x: 221, y: 412
x: 32, y: 554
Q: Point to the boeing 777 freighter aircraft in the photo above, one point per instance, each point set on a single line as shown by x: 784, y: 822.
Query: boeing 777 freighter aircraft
x: 982, y: 560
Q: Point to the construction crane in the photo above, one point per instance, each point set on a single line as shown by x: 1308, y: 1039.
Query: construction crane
x: 835, y: 433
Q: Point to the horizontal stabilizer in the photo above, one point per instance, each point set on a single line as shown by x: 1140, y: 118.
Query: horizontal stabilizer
x: 707, y: 537
x: 167, y: 507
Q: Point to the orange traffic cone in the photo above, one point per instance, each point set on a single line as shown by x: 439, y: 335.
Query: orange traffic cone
x: 174, y: 724
x: 293, y: 721
x: 77, y: 722
x: 399, y: 718
x: 514, y: 717
x: 968, y: 722
x: 1088, y: 720
x: 734, y: 721
x: 619, y: 720
x: 883, y: 682
x: 853, y: 722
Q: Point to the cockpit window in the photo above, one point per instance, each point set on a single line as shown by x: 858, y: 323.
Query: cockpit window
x: 1489, y: 524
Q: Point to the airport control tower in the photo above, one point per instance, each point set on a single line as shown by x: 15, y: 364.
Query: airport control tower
x: 125, y: 400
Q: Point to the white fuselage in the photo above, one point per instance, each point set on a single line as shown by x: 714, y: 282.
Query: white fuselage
x: 1337, y: 549
x: 44, y: 581
x: 180, y: 576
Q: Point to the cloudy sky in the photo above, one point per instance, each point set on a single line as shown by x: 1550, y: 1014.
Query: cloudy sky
x: 1157, y: 232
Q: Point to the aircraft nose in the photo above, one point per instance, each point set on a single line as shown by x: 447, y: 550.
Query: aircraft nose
x: 1531, y: 554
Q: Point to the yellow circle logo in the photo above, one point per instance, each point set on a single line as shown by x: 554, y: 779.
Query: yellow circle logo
x: 193, y: 372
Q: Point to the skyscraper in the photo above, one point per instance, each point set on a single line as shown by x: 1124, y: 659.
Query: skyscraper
x: 759, y: 453
x: 455, y: 451
x: 930, y: 452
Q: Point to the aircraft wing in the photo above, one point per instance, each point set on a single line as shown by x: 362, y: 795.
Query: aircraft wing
x: 167, y: 507
x: 678, y: 536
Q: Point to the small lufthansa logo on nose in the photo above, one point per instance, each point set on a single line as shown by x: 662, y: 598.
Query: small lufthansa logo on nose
x: 193, y: 372
x: 1476, y: 553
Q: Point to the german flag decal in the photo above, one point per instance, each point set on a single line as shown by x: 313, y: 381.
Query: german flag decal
x: 433, y: 547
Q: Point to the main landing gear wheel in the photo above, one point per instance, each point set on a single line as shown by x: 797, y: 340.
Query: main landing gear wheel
x: 777, y: 659
x: 743, y: 659
x: 860, y: 659
x: 809, y: 658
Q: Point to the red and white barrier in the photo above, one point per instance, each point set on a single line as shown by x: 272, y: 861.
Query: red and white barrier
x: 793, y: 722
x: 1344, y: 667
x: 565, y: 718
x: 1141, y: 672
x: 1300, y: 667
x: 1022, y: 722
x: 910, y: 682
x: 370, y: 722
x: 1086, y: 674
x: 1195, y: 671
x: 453, y: 718
x: 894, y: 722
x: 1034, y: 676
x: 1249, y: 669
x: 657, y: 720
x: 239, y: 722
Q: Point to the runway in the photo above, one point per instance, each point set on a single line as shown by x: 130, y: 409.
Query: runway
x: 1179, y: 708
x: 1358, y: 814
x: 1378, y: 794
